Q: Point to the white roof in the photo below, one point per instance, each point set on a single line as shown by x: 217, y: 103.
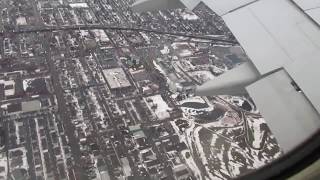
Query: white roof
x: 29, y: 106
x: 79, y: 5
x: 116, y: 78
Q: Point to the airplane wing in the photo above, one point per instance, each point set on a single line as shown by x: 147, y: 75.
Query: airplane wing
x: 310, y: 7
x: 151, y: 5
x: 282, y: 40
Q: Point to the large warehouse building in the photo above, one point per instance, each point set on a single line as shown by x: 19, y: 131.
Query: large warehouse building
x: 116, y: 78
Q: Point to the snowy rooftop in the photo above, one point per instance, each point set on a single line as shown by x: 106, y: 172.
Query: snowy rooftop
x: 31, y: 106
x: 116, y: 78
x: 79, y: 5
x: 162, y: 108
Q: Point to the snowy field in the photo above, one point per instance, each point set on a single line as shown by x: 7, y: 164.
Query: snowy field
x: 229, y: 146
x: 161, y: 108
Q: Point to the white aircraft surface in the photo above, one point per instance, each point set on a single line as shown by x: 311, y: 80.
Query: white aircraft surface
x: 282, y: 40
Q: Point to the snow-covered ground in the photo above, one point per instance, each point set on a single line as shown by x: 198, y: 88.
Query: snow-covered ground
x: 191, y: 164
x: 161, y: 107
x: 255, y: 127
x: 217, y: 145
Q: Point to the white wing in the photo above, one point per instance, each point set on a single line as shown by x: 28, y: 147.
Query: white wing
x: 282, y: 39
